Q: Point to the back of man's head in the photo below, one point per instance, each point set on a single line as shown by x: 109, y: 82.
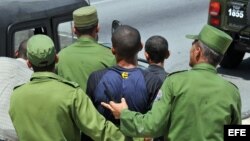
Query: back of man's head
x: 157, y: 48
x: 214, y: 43
x: 22, y: 50
x: 126, y: 41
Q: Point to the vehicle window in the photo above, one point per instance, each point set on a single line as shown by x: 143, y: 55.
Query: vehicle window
x: 65, y: 34
x: 22, y: 35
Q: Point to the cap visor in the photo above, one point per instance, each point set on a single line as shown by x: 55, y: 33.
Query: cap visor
x: 192, y: 36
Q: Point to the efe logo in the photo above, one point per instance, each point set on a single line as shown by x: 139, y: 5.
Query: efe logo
x: 236, y: 132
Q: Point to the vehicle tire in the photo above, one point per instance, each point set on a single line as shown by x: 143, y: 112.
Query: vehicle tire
x: 232, y: 58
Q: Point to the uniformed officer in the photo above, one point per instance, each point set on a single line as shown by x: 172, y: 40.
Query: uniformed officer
x: 49, y: 108
x: 84, y: 56
x: 192, y: 105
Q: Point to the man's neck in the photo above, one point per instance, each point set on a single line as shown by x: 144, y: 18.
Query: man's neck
x: 161, y: 64
x: 86, y: 36
x: 128, y: 64
x: 22, y: 60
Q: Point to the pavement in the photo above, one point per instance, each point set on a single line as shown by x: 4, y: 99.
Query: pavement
x: 246, y: 121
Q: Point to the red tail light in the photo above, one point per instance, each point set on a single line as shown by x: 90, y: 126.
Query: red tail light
x: 214, y: 21
x: 214, y: 8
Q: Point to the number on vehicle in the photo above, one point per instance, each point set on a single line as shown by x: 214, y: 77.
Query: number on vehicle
x: 236, y: 13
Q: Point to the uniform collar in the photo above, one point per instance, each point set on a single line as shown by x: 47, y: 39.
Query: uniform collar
x: 86, y: 38
x: 44, y: 75
x: 205, y: 66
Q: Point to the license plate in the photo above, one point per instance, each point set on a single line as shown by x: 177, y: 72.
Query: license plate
x: 236, y: 14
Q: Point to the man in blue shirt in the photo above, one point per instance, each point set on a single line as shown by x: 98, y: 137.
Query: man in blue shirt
x: 138, y: 86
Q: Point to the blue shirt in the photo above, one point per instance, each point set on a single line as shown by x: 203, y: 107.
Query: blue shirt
x: 137, y: 86
x: 158, y: 70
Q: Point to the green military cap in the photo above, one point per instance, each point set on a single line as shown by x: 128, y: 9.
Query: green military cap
x: 41, y: 50
x: 85, y: 17
x: 213, y: 38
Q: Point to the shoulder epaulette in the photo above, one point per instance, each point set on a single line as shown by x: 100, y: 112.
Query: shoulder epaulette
x: 104, y: 45
x: 71, y: 83
x: 18, y: 86
x: 176, y: 72
x: 233, y: 84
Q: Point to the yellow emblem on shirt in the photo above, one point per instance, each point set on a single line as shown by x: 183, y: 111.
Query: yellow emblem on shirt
x: 124, y: 75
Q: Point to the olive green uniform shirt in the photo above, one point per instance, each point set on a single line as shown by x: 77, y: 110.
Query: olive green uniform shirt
x: 49, y: 108
x: 79, y: 60
x: 191, y: 106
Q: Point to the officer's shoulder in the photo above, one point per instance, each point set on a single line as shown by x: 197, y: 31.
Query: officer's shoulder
x: 176, y: 73
x: 104, y: 45
x: 16, y: 87
x: 70, y: 83
x: 67, y: 48
x: 232, y: 84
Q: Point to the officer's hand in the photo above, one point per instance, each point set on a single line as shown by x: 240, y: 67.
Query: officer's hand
x: 116, y: 108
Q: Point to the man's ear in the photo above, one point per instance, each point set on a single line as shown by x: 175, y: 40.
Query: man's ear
x: 29, y: 64
x: 97, y: 28
x: 113, y: 50
x: 197, y: 52
x: 16, y: 54
x: 56, y: 59
x: 146, y: 55
x: 74, y: 30
x: 167, y: 54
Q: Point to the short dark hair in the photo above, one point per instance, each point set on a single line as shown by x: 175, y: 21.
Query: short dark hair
x: 86, y: 30
x: 22, y: 50
x: 157, y: 48
x: 127, y: 41
x: 49, y: 68
x: 212, y: 57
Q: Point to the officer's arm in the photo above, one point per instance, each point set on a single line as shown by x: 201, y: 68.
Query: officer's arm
x: 92, y: 123
x: 154, y: 122
x: 236, y: 119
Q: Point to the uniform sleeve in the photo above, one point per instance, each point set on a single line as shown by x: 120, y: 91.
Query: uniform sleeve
x: 109, y: 59
x: 236, y: 117
x: 91, y: 122
x: 154, y: 122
